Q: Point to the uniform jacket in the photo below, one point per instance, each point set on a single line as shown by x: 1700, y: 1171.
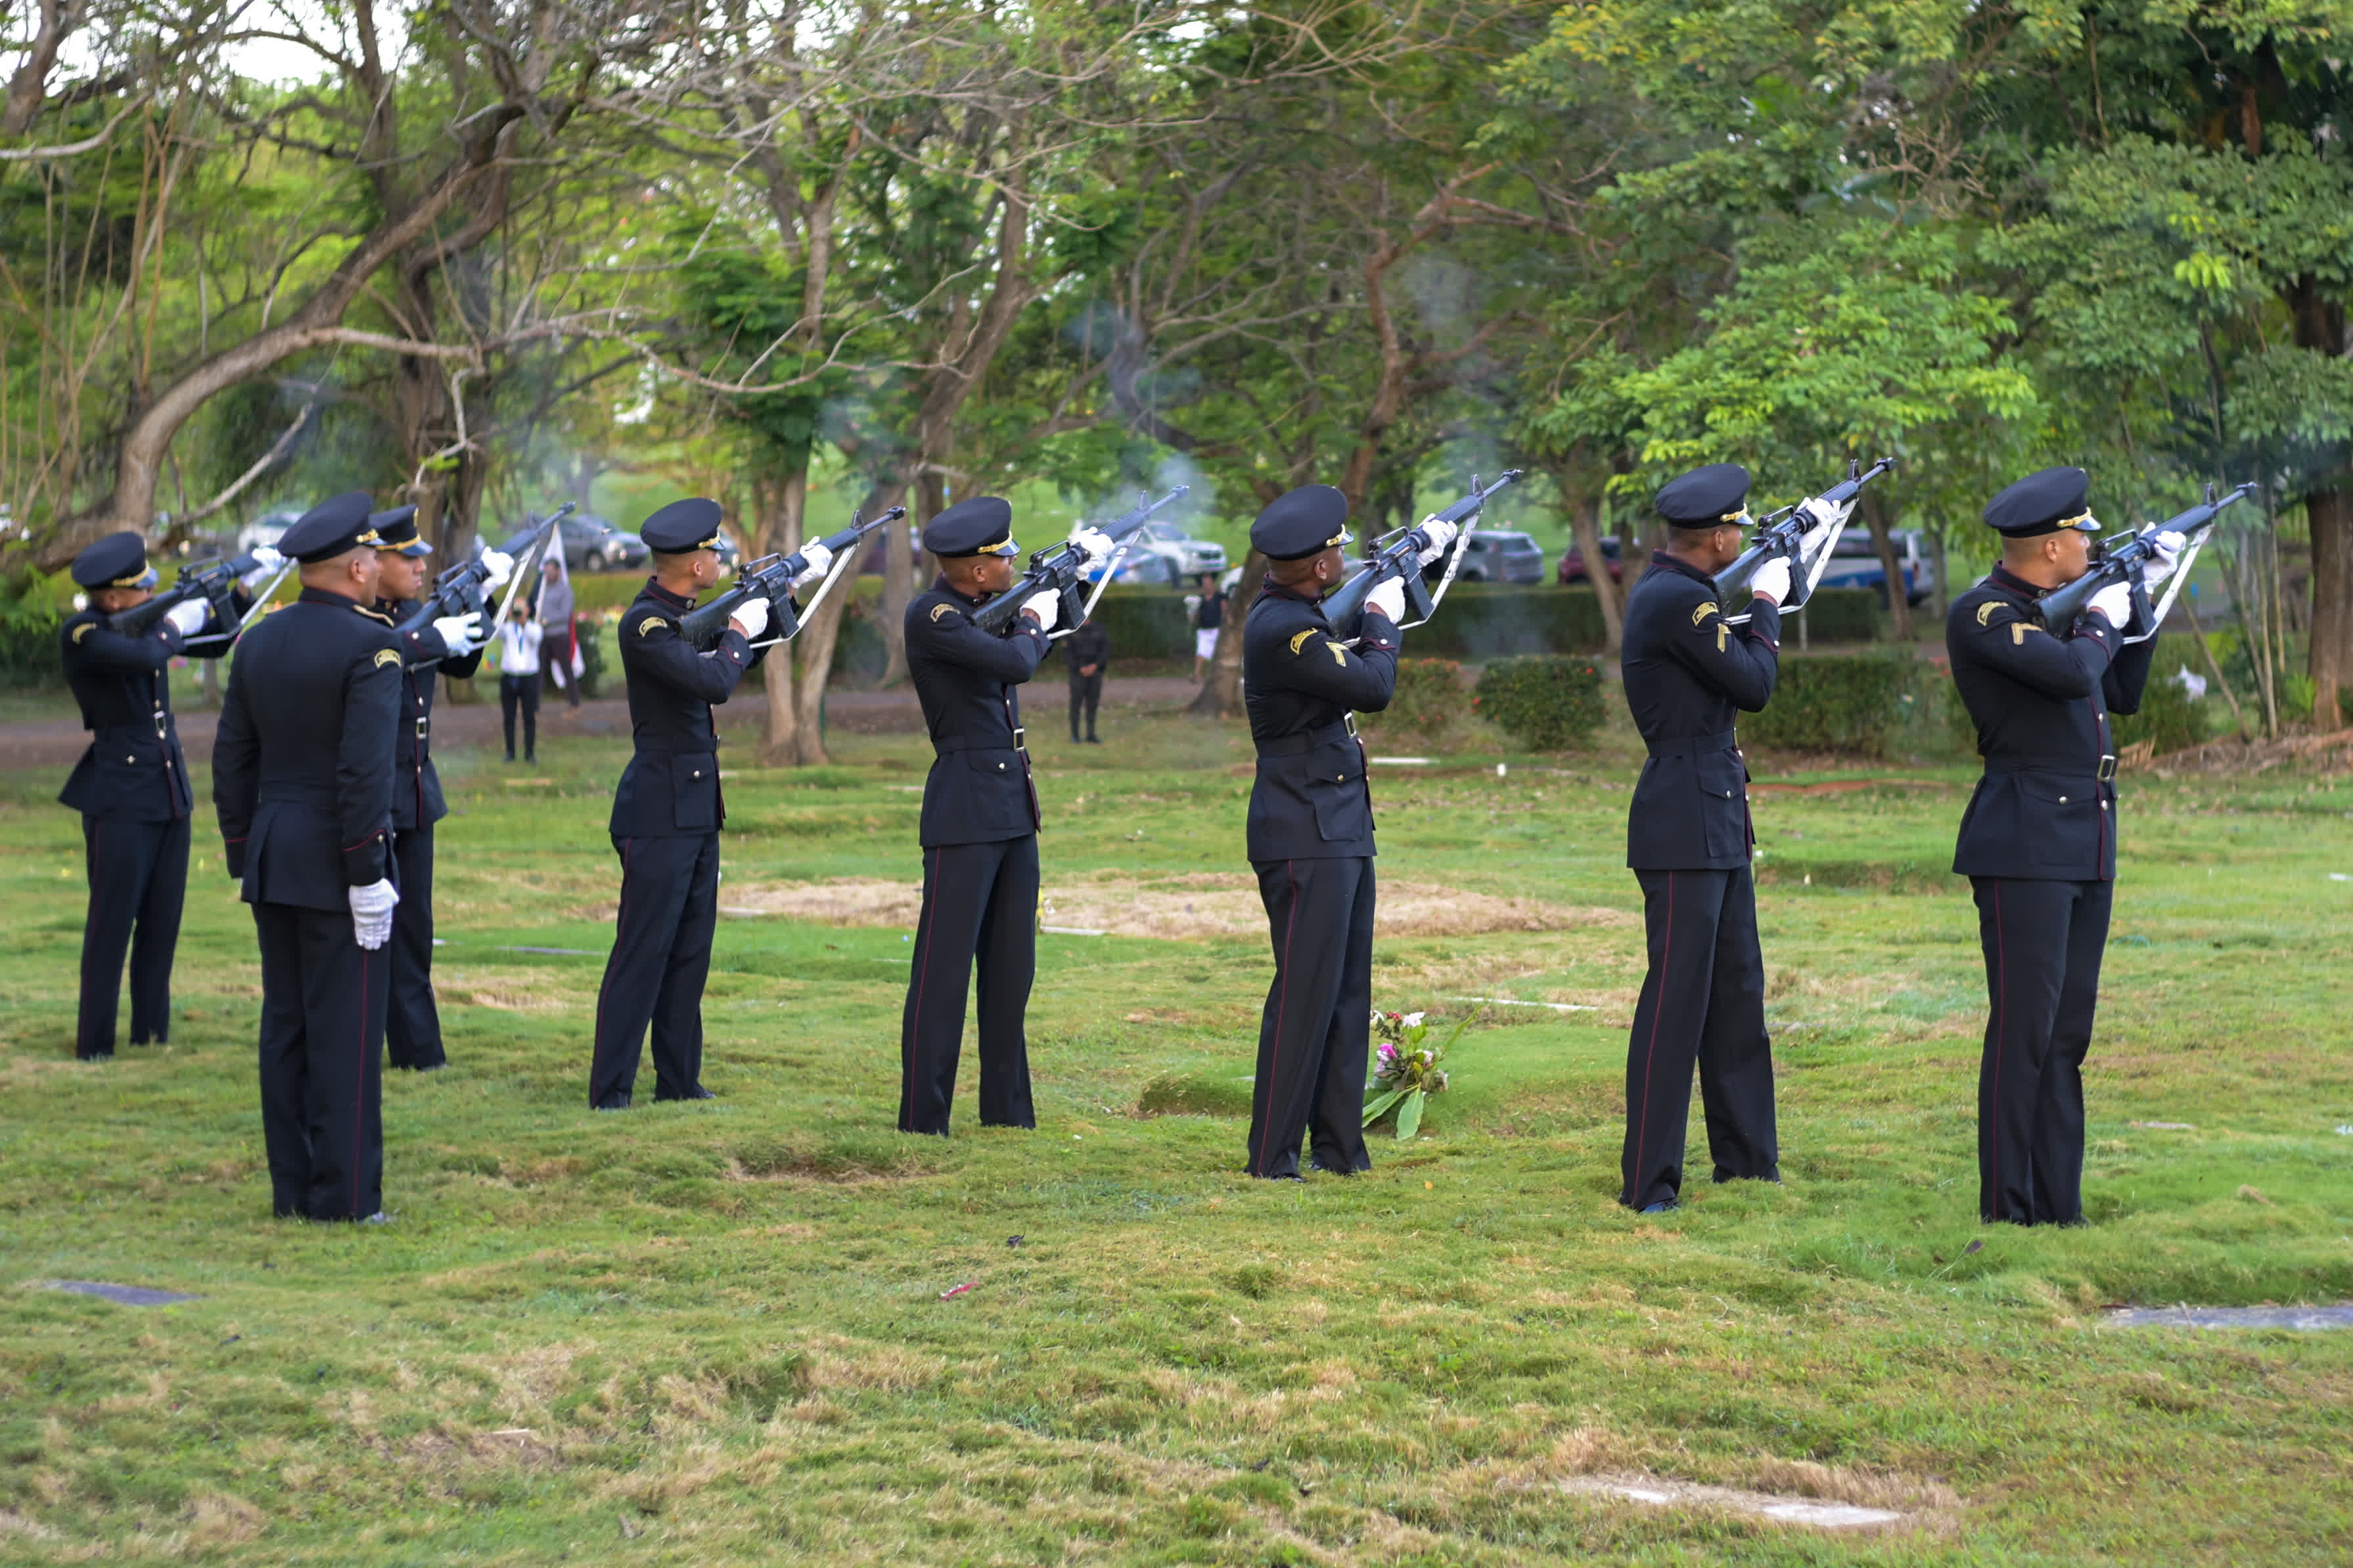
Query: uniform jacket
x: 302, y: 759
x: 1688, y: 676
x: 133, y: 770
x: 1310, y: 800
x: 671, y: 788
x: 416, y: 785
x: 979, y: 790
x: 2046, y: 807
x: 1089, y: 645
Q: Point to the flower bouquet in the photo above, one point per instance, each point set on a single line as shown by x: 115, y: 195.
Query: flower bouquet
x: 1406, y: 1071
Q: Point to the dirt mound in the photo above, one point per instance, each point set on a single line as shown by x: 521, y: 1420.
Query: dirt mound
x: 1191, y: 906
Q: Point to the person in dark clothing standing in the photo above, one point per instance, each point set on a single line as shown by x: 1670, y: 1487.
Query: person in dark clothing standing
x: 979, y: 824
x: 1688, y: 674
x: 1087, y: 653
x: 132, y: 789
x: 667, y: 813
x: 2038, y: 841
x: 412, y: 1030
x: 1309, y: 832
x: 1207, y: 617
x: 302, y: 783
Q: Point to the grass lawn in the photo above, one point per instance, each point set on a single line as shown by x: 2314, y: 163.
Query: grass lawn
x: 718, y: 1331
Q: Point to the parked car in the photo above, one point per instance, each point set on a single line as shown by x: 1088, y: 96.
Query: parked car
x: 1502, y: 556
x: 266, y: 529
x: 1163, y: 553
x: 1572, y: 562
x: 590, y: 543
x: 1854, y: 564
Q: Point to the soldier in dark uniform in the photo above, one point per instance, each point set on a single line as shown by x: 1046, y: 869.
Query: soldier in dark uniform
x: 1087, y: 654
x: 1309, y: 832
x: 667, y: 813
x: 980, y: 826
x: 1688, y: 839
x: 302, y: 783
x: 132, y: 789
x: 451, y: 645
x: 2038, y: 841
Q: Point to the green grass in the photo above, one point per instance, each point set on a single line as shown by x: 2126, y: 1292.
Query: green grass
x: 716, y: 1333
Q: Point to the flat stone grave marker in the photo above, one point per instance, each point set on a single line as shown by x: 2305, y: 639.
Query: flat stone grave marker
x: 1818, y: 1514
x: 2187, y: 1317
x: 122, y: 1295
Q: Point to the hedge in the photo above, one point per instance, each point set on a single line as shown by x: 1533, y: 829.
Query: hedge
x: 1426, y: 703
x: 1548, y: 703
x: 1852, y: 703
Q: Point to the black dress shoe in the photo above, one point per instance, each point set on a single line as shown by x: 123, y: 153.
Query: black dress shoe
x: 1093, y: 742
x: 93, y: 1056
x: 618, y: 1102
x: 1668, y: 1207
x: 697, y: 1092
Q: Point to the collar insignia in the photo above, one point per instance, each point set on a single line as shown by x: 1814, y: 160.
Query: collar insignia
x: 373, y: 615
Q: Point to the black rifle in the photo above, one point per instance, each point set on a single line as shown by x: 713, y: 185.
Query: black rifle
x: 459, y: 590
x: 1782, y: 537
x: 1061, y: 569
x: 214, y: 580
x: 2120, y: 557
x: 771, y: 578
x: 1400, y: 558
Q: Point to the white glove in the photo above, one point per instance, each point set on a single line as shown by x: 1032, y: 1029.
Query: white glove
x: 820, y: 561
x: 2114, y: 601
x: 188, y: 614
x: 750, y: 617
x: 1047, y: 607
x: 2164, y: 552
x: 1440, y: 533
x: 500, y: 566
x: 1094, y: 544
x: 1388, y: 598
x: 1826, y: 517
x: 1772, y: 580
x: 372, y: 909
x: 265, y: 563
x: 460, y: 634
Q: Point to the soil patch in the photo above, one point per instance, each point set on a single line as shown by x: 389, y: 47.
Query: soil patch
x: 1192, y: 906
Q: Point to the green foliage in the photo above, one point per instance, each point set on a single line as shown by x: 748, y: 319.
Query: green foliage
x: 1491, y: 620
x: 1548, y: 703
x: 1426, y: 703
x: 29, y: 617
x: 1845, y: 704
x: 590, y: 629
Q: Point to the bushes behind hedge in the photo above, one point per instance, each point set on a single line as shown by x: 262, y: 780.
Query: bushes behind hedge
x: 1549, y: 702
x: 1427, y: 704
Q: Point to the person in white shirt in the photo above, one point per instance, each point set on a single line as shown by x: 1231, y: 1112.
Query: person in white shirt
x: 519, y: 640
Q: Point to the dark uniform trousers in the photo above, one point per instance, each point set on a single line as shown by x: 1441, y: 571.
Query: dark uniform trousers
x: 1688, y: 674
x: 1086, y: 696
x: 323, y: 1011
x: 1309, y: 837
x: 667, y: 813
x: 1703, y: 1001
x: 1315, y: 1031
x: 2043, y: 944
x: 138, y: 875
x: 979, y: 836
x: 980, y: 906
x: 661, y: 956
x: 2038, y: 843
x: 412, y: 1030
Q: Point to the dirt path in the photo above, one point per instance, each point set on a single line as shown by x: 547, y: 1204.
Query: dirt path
x: 57, y: 742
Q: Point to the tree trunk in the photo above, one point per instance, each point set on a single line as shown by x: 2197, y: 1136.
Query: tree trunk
x: 1584, y: 523
x: 1899, y: 607
x: 2320, y: 325
x: 813, y: 650
x: 783, y: 506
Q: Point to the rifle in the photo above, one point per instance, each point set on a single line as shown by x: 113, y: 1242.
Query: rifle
x: 214, y: 581
x: 1782, y: 537
x: 2121, y: 563
x: 459, y: 590
x: 1401, y: 557
x: 771, y: 578
x: 1060, y: 569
